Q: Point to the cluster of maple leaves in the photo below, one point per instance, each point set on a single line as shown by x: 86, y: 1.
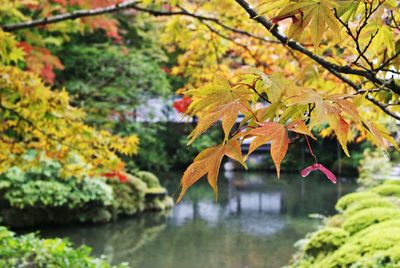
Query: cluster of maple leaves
x: 290, y: 109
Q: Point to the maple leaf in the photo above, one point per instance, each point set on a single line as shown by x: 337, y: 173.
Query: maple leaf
x: 208, y: 162
x: 349, y: 108
x: 328, y: 110
x: 341, y: 129
x: 182, y: 104
x: 217, y: 101
x: 277, y: 135
x: 380, y: 136
x: 300, y: 127
x: 317, y: 14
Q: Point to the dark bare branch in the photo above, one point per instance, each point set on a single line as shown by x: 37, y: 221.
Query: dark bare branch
x: 122, y: 6
x: 336, y: 70
x: 383, y: 107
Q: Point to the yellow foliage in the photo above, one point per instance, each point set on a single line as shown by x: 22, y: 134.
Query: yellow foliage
x: 41, y: 119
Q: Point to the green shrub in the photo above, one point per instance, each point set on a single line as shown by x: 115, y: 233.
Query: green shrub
x: 129, y: 197
x: 325, y: 241
x: 373, y: 202
x: 373, y: 249
x: 349, y: 199
x: 392, y: 182
x: 387, y: 190
x: 163, y: 202
x: 364, y: 218
x: 43, y: 188
x: 30, y: 251
x: 149, y: 178
x: 41, y: 196
x: 366, y: 234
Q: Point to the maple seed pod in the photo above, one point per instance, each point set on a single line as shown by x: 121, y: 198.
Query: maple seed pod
x: 306, y: 171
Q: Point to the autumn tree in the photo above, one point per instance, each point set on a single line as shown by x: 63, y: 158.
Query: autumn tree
x: 326, y: 67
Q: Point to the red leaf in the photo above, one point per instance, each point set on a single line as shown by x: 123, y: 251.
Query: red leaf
x: 48, y: 74
x: 121, y: 176
x: 25, y: 46
x: 182, y: 105
x: 306, y: 171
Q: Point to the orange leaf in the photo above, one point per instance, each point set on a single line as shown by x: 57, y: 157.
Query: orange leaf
x: 341, y: 129
x: 208, y: 162
x: 277, y: 134
x: 349, y: 108
x: 381, y: 136
x: 300, y: 127
x: 257, y: 142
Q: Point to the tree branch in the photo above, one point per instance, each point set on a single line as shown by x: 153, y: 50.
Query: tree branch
x: 122, y: 6
x: 332, y: 68
x: 130, y: 4
x: 383, y: 107
x: 70, y: 16
x: 336, y: 70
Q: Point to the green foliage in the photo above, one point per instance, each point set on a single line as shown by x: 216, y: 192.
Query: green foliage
x: 388, y: 190
x: 153, y: 153
x: 106, y: 80
x: 325, y: 241
x: 364, y: 218
x: 30, y: 251
x: 349, y: 199
x: 43, y: 187
x: 373, y: 202
x: 367, y: 233
x: 149, y: 179
x: 129, y: 197
x: 42, y: 195
x: 163, y: 146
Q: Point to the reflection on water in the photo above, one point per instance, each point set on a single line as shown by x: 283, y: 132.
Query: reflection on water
x: 254, y: 224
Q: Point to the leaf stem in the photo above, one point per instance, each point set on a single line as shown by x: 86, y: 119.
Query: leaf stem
x: 310, y: 149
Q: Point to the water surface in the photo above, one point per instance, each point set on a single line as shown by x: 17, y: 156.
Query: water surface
x: 255, y: 223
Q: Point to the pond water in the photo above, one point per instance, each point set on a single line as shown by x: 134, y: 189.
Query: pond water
x: 255, y: 223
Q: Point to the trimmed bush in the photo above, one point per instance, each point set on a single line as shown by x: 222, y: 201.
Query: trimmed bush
x: 366, y: 233
x: 42, y: 196
x: 387, y: 190
x: 149, y: 178
x: 364, y: 218
x: 392, y: 182
x: 325, y: 241
x: 374, y: 202
x: 373, y: 249
x: 129, y: 197
x: 349, y: 199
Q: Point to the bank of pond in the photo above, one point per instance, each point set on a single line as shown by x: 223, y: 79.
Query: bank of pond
x: 364, y: 233
x: 255, y: 223
x: 40, y: 196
